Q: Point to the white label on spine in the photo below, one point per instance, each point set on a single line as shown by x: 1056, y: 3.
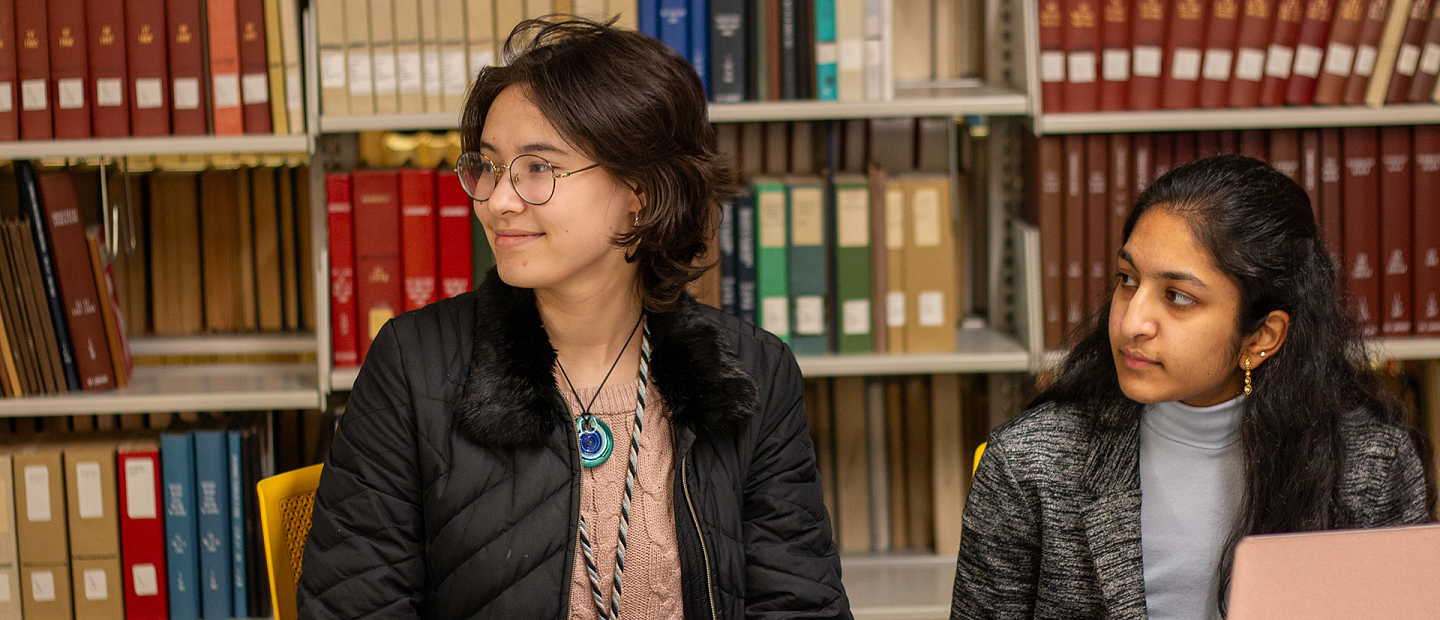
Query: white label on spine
x: 453, y: 70
x: 7, y: 96
x: 1250, y: 64
x: 932, y: 308
x: 1365, y: 60
x: 332, y: 70
x: 95, y: 587
x: 293, y: 100
x: 384, y: 74
x: 895, y: 309
x: 852, y: 218
x: 42, y: 586
x: 146, y: 579
x: 140, y: 488
x: 149, y: 93
x: 852, y: 55
x: 1339, y: 59
x: 37, y: 493
x: 775, y: 312
x: 431, y: 71
x: 1430, y: 60
x: 856, y: 319
x: 411, y: 78
x: 1052, y: 66
x: 1217, y: 64
x: 87, y: 490
x: 1147, y: 61
x: 926, y: 213
x: 1408, y: 59
x: 33, y: 96
x: 72, y: 93
x: 1185, y: 64
x: 1082, y: 67
x: 1115, y: 65
x: 1307, y: 60
x: 4, y: 589
x: 187, y: 93
x: 109, y: 92
x: 826, y: 54
x: 254, y: 88
x: 809, y: 315
x: 1278, y: 61
x: 227, y: 90
x: 359, y: 73
x: 894, y: 219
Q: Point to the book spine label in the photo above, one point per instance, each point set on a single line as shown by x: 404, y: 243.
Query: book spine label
x: 343, y: 326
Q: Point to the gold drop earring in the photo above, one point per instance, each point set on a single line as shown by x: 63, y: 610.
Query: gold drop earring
x: 1248, y: 388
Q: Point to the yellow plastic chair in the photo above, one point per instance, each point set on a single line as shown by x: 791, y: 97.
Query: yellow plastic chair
x: 285, y: 504
x: 978, y: 451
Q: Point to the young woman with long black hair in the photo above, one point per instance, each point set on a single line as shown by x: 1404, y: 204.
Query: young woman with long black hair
x: 1227, y: 394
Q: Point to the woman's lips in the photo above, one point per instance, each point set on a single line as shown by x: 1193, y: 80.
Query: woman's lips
x: 514, y: 238
x: 1136, y: 361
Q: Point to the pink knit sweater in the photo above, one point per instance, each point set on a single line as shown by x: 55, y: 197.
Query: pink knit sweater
x: 651, y: 586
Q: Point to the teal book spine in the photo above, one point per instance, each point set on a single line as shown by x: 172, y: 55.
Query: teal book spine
x: 212, y: 499
x: 827, y: 53
x: 182, y: 561
x: 772, y: 264
x: 239, y: 585
x: 809, y: 268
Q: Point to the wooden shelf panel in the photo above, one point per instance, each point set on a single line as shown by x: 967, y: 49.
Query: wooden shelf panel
x: 899, y: 587
x: 224, y: 344
x: 163, y: 145
x: 214, y: 387
x: 1254, y: 118
x: 1406, y: 348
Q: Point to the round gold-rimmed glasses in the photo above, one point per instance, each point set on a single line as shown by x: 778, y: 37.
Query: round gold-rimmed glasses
x: 532, y: 176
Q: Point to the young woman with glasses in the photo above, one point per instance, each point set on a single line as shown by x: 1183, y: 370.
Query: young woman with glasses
x: 1222, y: 390
x: 578, y: 437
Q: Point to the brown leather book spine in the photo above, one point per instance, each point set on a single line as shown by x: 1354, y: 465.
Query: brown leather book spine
x: 1332, y: 196
x: 1184, y: 150
x: 1255, y: 143
x: 188, y: 92
x: 1142, y: 153
x: 1121, y: 173
x: 1361, y: 182
x: 1184, y: 54
x: 105, y: 38
x: 772, y: 50
x: 1340, y: 52
x: 1115, y: 54
x: 1163, y: 154
x: 1423, y: 83
x: 1280, y: 55
x: 1310, y: 168
x: 1253, y: 37
x: 9, y: 105
x: 32, y: 68
x: 77, y: 282
x: 1426, y: 230
x: 1285, y: 152
x: 1147, y: 53
x: 1051, y: 168
x: 1367, y: 50
x: 1407, y: 61
x: 1097, y: 219
x: 1395, y: 221
x: 149, y: 67
x: 69, y: 69
x: 1310, y: 51
x: 1220, y: 36
x: 254, y: 67
x: 1074, y: 233
x: 1229, y: 142
x: 1207, y: 144
x: 1082, y: 62
x: 1052, y: 56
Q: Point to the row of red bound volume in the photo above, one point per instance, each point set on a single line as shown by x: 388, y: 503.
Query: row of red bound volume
x: 1107, y: 55
x: 1365, y: 185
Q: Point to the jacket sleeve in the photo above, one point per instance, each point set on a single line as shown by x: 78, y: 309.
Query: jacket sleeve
x: 1406, y: 482
x: 999, y: 563
x: 364, y: 554
x: 792, y: 564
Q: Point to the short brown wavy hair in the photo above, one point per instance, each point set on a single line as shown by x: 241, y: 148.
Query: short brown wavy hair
x: 637, y: 108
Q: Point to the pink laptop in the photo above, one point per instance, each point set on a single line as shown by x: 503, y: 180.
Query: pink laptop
x: 1391, y: 573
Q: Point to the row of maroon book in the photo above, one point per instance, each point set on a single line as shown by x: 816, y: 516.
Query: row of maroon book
x: 1365, y: 185
x: 399, y: 240
x: 110, y: 68
x: 1101, y: 55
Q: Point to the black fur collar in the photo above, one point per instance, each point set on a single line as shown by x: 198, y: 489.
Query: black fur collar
x: 511, y: 398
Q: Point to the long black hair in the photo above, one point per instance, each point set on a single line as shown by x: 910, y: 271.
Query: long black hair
x: 1260, y: 230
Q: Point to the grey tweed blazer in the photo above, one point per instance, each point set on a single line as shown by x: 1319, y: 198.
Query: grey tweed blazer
x: 1051, y: 528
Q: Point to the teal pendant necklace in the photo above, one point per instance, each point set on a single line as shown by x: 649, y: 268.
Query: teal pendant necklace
x: 592, y: 434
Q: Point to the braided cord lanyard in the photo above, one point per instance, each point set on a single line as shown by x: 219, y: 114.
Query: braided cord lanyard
x: 613, y: 612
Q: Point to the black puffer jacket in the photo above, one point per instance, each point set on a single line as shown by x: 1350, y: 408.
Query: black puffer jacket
x: 452, y: 487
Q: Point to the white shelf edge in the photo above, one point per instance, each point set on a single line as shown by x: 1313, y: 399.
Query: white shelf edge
x: 390, y: 122
x: 221, y: 387
x: 1253, y: 118
x: 158, y: 145
x: 224, y: 344
x: 343, y: 379
x: 1405, y: 348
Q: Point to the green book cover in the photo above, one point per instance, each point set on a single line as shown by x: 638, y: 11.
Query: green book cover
x: 809, y: 267
x: 771, y: 262
x: 852, y: 264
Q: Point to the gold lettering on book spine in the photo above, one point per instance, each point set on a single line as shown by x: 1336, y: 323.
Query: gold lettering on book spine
x: 107, y: 36
x: 1378, y: 8
x: 1227, y: 9
x: 66, y: 39
x: 1351, y: 11
x: 183, y: 34
x: 1083, y: 16
x: 1290, y: 11
x: 1257, y: 8
x: 1152, y: 10
x: 1114, y: 11
x: 1050, y: 15
x: 1188, y: 10
x: 146, y: 36
x: 32, y: 42
x: 1420, y: 9
x: 1319, y: 10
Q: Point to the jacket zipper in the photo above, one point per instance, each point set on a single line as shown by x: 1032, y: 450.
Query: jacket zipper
x: 709, y: 582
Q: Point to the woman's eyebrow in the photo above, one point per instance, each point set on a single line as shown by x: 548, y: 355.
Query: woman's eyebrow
x: 532, y: 148
x: 1180, y: 276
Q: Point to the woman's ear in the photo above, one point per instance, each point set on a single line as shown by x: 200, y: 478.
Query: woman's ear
x: 1266, y: 341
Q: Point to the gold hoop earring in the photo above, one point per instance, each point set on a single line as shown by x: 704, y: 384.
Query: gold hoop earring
x: 1248, y: 388
x: 637, y: 219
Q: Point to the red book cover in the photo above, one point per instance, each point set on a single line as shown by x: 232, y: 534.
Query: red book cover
x: 1220, y: 34
x: 9, y: 116
x: 417, y: 223
x: 1253, y: 37
x: 1310, y: 168
x: 142, y: 531
x: 149, y: 89
x: 1142, y: 152
x: 1097, y: 219
x: 1185, y: 148
x: 32, y: 68
x: 1074, y: 232
x: 223, y: 36
x: 1285, y: 152
x: 1360, y: 147
x: 1184, y: 52
x: 1332, y: 197
x: 343, y: 326
x: 254, y: 68
x: 1082, y: 43
x: 187, y: 67
x: 1408, y: 58
x: 1340, y: 52
x: 69, y: 69
x: 1147, y: 53
x: 105, y: 40
x: 1115, y: 55
x: 76, y: 280
x: 1395, y: 222
x: 1310, y: 52
x: 1229, y: 142
x: 1121, y: 172
x: 1052, y: 55
x: 1280, y: 55
x: 1207, y: 144
x: 1426, y: 231
x: 453, y: 222
x: 1163, y: 155
x: 379, y: 288
x: 1367, y: 50
x: 1051, y: 168
x: 117, y: 325
x: 1422, y: 84
x: 1255, y: 143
